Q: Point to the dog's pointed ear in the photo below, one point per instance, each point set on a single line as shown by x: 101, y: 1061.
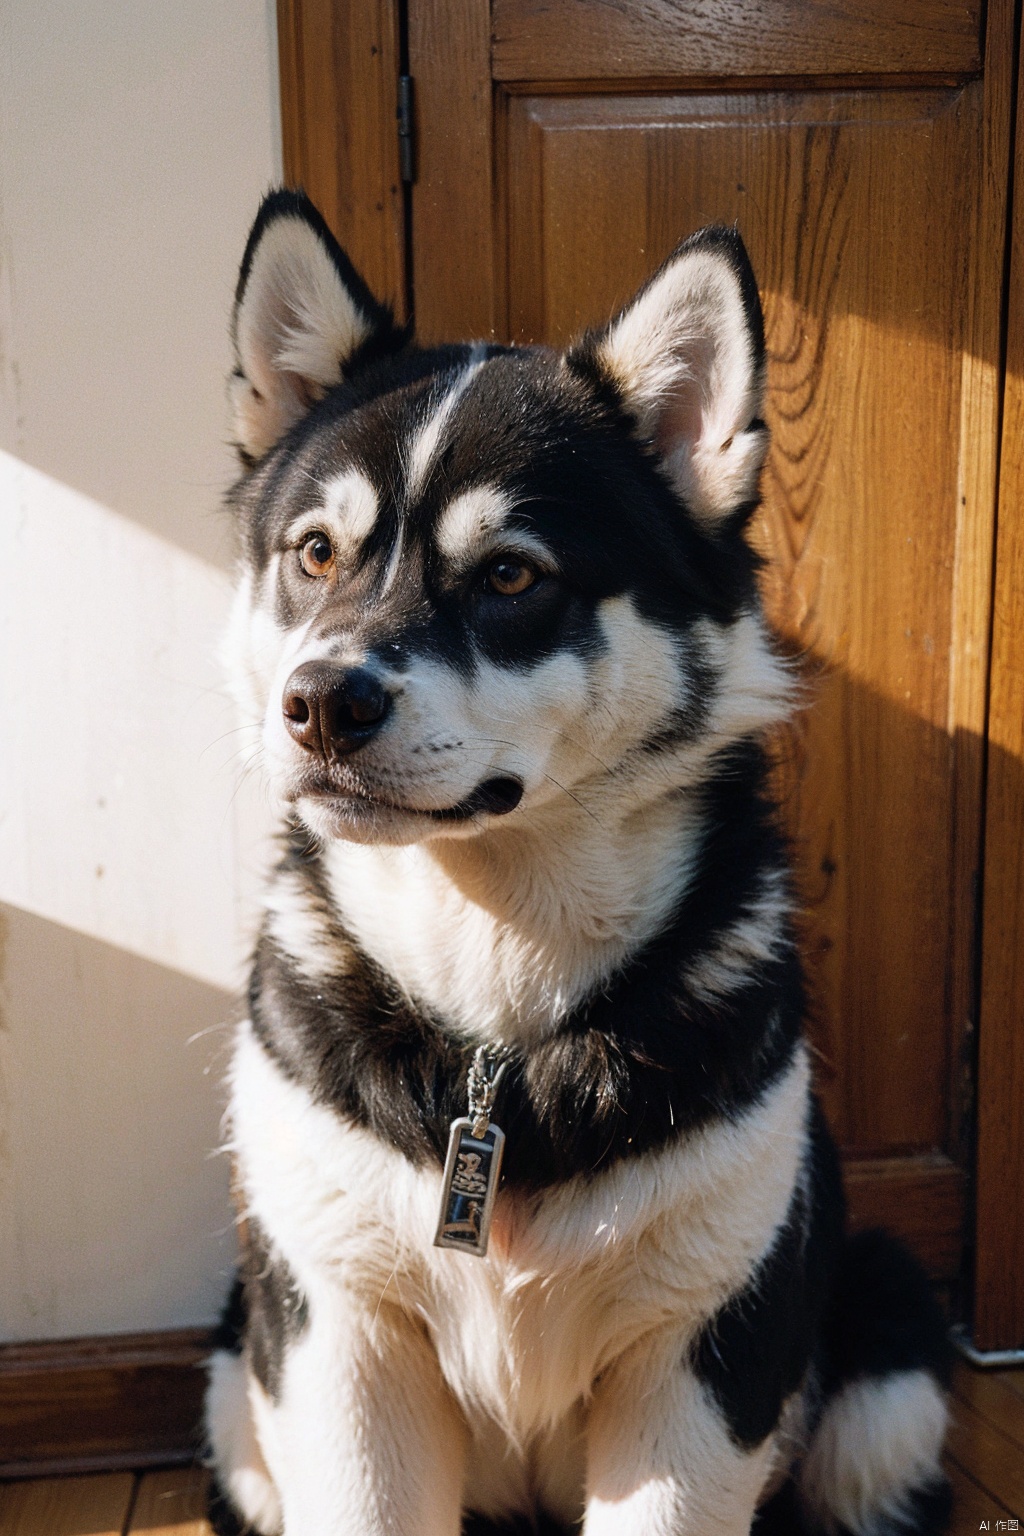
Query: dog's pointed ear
x: 301, y: 314
x: 687, y: 359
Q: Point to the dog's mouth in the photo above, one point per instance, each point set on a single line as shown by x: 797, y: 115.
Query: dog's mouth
x: 494, y: 797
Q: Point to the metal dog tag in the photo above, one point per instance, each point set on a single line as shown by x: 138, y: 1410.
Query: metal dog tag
x: 470, y: 1183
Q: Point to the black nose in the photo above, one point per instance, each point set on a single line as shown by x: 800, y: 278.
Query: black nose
x: 331, y: 711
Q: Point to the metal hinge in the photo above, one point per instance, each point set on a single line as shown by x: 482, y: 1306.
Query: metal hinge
x: 405, y: 154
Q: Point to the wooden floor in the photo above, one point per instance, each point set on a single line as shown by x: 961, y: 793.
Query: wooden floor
x: 985, y: 1461
x: 985, y: 1456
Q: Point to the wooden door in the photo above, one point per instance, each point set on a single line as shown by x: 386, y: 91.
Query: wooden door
x: 562, y: 148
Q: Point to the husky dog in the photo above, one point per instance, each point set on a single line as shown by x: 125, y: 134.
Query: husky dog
x: 500, y: 623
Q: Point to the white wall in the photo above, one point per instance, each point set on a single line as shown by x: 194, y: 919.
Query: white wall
x: 135, y: 141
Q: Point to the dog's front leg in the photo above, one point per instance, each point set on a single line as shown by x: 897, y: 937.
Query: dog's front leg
x: 364, y: 1438
x: 660, y: 1460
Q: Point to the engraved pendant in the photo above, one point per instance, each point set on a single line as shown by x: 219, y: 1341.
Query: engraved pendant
x: 470, y: 1183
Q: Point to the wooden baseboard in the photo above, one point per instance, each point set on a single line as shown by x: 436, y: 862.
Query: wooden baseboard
x: 101, y: 1404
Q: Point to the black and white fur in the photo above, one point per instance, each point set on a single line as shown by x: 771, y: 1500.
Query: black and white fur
x: 539, y: 818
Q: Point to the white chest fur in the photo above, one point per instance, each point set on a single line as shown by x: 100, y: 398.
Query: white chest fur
x: 502, y: 937
x: 573, y: 1277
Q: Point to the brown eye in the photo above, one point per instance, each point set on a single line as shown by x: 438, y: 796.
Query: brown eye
x: 316, y: 556
x: 510, y: 577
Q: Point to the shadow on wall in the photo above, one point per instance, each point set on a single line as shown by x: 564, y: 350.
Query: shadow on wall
x: 115, y: 1214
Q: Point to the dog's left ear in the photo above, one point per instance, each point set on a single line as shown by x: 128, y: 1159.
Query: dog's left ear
x: 686, y: 357
x: 301, y: 314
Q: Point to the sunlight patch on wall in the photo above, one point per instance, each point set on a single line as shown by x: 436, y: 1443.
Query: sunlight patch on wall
x: 120, y: 745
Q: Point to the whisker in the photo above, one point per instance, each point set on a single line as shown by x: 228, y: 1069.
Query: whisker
x: 234, y: 731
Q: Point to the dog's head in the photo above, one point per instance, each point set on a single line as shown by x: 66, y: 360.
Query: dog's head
x: 480, y: 578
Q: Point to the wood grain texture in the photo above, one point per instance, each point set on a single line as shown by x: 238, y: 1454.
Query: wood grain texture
x: 574, y: 39
x: 1012, y: 1380
x: 339, y: 67
x: 80, y: 1404
x: 72, y: 1506
x: 171, y: 1503
x: 858, y: 209
x: 455, y: 271
x: 999, y: 1269
x: 971, y: 1503
x: 993, y: 1397
x: 995, y: 1458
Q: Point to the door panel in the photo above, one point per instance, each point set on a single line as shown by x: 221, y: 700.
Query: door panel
x: 856, y: 212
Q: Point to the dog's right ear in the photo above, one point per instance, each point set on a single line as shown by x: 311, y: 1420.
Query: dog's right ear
x: 301, y: 314
x: 686, y: 357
